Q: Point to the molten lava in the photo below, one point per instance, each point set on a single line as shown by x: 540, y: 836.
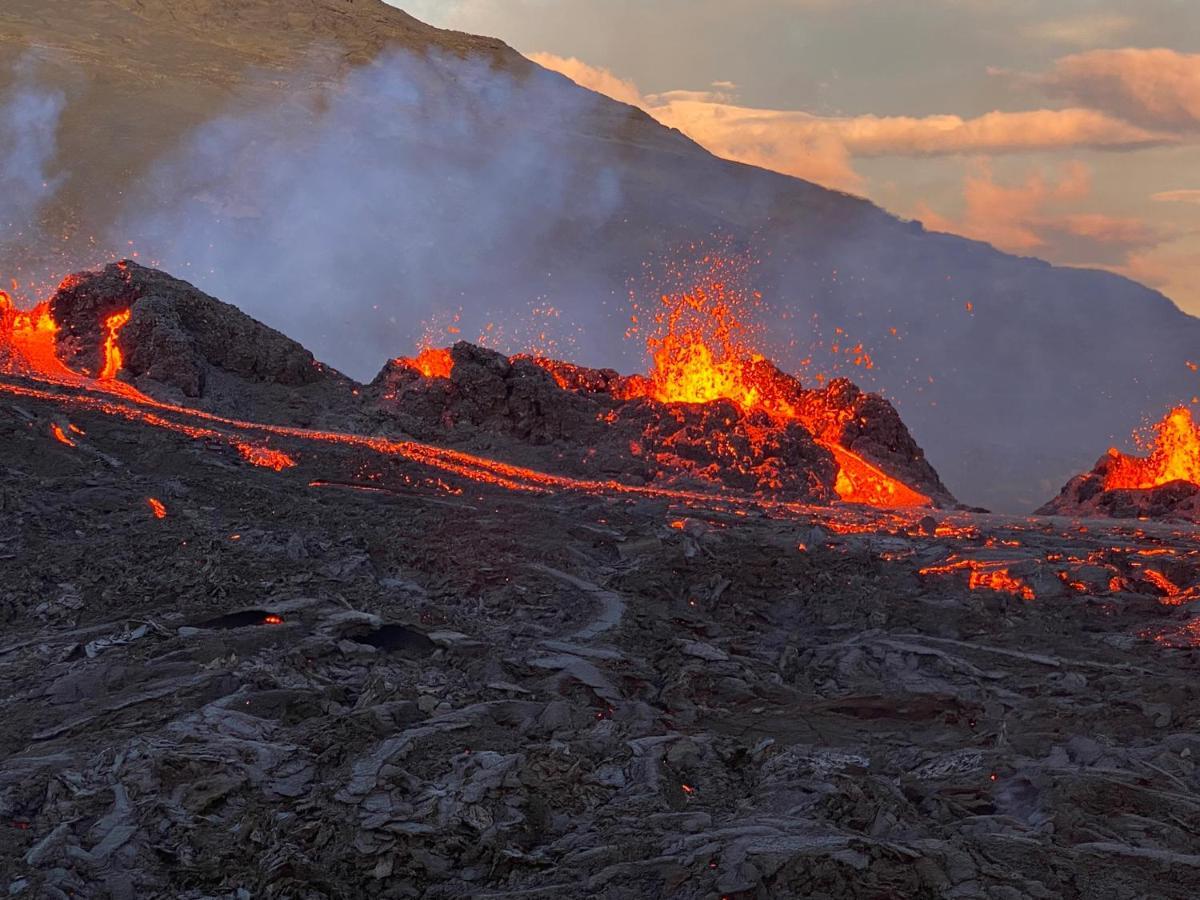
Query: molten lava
x: 860, y: 482
x: 1000, y: 580
x: 702, y: 350
x: 28, y: 341
x: 60, y: 435
x: 1174, y: 456
x: 432, y: 362
x: 265, y: 457
x: 113, y: 359
x: 984, y: 577
x: 702, y: 347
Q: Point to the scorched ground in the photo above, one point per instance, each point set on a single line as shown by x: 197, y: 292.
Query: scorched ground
x: 257, y: 643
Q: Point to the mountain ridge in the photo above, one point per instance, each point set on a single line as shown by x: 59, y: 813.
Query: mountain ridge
x: 1009, y: 370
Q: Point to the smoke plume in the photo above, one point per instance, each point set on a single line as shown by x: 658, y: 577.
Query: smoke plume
x: 348, y: 212
x: 418, y: 187
x: 29, y: 117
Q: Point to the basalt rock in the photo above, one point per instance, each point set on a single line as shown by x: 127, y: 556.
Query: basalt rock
x: 176, y: 334
x: 1086, y: 496
x: 590, y: 422
x: 181, y: 343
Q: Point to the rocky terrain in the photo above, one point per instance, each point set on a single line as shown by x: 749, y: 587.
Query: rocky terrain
x: 600, y: 185
x: 1086, y: 495
x: 1161, y: 485
x: 181, y: 346
x: 390, y: 667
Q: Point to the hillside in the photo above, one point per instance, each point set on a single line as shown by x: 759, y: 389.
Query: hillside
x: 251, y: 146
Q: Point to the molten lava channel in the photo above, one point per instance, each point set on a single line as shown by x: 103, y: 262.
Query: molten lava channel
x: 113, y: 360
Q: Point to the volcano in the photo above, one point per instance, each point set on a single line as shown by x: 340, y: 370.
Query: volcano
x: 150, y: 339
x: 601, y: 185
x: 495, y: 624
x: 294, y: 604
x: 1163, y: 484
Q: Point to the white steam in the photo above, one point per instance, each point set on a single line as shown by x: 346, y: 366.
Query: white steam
x: 29, y: 116
x: 417, y: 186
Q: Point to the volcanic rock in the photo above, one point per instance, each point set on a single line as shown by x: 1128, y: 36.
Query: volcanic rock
x: 591, y: 427
x: 380, y: 673
x: 179, y: 341
x: 1086, y: 496
x: 178, y: 344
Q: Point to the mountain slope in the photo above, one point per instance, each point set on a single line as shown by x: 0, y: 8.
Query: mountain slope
x: 256, y: 150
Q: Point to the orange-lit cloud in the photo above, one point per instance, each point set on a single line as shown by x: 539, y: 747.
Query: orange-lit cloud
x: 1036, y: 216
x: 1156, y: 88
x: 821, y: 148
x: 592, y: 77
x: 1187, y: 195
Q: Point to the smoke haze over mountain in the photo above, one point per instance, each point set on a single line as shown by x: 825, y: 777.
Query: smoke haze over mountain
x: 29, y: 117
x: 407, y: 192
x: 350, y: 205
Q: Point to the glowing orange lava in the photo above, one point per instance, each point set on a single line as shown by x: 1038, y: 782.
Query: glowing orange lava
x: 113, y: 359
x: 60, y: 435
x: 157, y: 507
x: 860, y: 482
x: 1174, y: 456
x: 1000, y: 580
x: 265, y: 457
x: 984, y: 576
x: 702, y: 347
x: 27, y: 341
x: 432, y: 362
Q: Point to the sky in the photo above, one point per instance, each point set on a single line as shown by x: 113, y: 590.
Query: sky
x: 1063, y: 129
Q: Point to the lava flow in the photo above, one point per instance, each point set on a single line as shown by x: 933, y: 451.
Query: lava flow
x: 113, y: 360
x: 29, y: 347
x: 702, y: 350
x: 1174, y: 456
x: 983, y: 576
x: 28, y: 342
x: 702, y: 353
x: 432, y: 362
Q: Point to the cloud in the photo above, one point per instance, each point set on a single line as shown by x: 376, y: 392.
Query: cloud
x: 1190, y: 195
x: 821, y: 148
x: 1155, y: 88
x: 1086, y: 30
x: 602, y: 81
x: 774, y: 140
x: 1012, y: 217
x: 1035, y: 215
x: 29, y: 117
x: 993, y: 132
